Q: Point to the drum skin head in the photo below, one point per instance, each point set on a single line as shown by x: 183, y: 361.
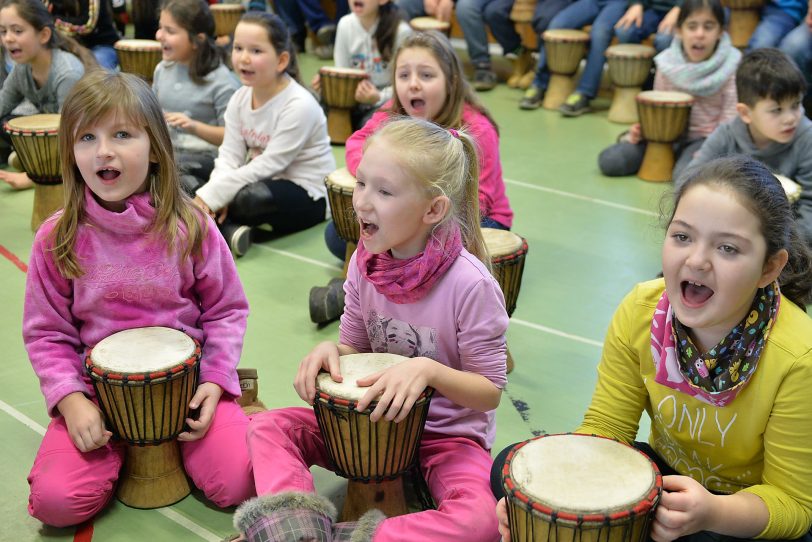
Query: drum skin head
x: 581, y: 474
x: 45, y: 122
x: 341, y: 177
x: 143, y: 350
x: 138, y: 45
x: 501, y: 242
x: 354, y: 367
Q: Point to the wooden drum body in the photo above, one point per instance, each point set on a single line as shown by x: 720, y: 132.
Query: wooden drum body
x: 373, y: 456
x: 35, y: 140
x: 507, y: 251
x: 629, y: 67
x: 144, y: 379
x: 744, y: 18
x: 579, y: 488
x: 427, y: 24
x: 564, y: 48
x: 664, y: 118
x: 340, y: 186
x: 226, y: 17
x: 138, y: 56
x: 338, y: 92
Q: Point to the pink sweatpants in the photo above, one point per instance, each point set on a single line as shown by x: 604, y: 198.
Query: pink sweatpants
x: 284, y: 443
x: 69, y: 487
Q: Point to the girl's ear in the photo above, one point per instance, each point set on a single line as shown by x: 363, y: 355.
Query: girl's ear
x: 773, y: 267
x: 437, y: 210
x: 284, y: 60
x: 199, y: 38
x: 44, y: 36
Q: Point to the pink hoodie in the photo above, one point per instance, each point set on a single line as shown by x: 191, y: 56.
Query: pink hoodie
x: 130, y: 280
x: 493, y: 202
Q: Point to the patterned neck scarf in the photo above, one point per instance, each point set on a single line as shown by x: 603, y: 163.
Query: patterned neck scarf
x: 410, y: 280
x: 717, y: 376
x: 699, y: 78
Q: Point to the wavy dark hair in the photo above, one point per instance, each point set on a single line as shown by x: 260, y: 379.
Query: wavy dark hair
x: 278, y: 35
x: 196, y: 19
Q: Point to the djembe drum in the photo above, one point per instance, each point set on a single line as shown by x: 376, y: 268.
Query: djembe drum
x: 564, y: 48
x: 226, y: 17
x: 744, y: 18
x: 426, y: 24
x: 138, y: 56
x: 663, y: 119
x: 579, y: 488
x: 507, y: 251
x: 372, y: 456
x: 338, y: 91
x: 144, y: 379
x: 792, y: 189
x: 629, y: 67
x: 35, y: 140
x: 340, y: 186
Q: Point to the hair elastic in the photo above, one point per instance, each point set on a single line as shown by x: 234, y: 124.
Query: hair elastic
x: 453, y: 132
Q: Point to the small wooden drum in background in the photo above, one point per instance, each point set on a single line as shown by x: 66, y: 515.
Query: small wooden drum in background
x: 226, y: 17
x: 564, y: 488
x: 340, y: 186
x: 522, y: 16
x: 338, y: 92
x: 138, y: 56
x: 564, y: 48
x: 373, y: 456
x: 35, y: 140
x: 144, y: 379
x: 792, y: 189
x: 744, y: 18
x: 426, y: 24
x: 664, y: 118
x: 629, y: 67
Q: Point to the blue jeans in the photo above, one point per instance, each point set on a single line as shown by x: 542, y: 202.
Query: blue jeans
x: 798, y: 45
x: 298, y: 13
x: 602, y: 14
x: 473, y: 15
x: 546, y: 10
x: 106, y: 56
x: 775, y: 24
x: 636, y: 34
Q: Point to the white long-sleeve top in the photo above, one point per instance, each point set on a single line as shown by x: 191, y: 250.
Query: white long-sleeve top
x: 285, y: 138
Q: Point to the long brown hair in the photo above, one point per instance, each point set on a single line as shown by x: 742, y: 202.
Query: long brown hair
x: 278, y: 37
x: 458, y: 91
x: 95, y: 96
x: 196, y: 19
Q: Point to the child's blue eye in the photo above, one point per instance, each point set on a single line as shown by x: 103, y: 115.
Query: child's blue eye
x: 728, y: 249
x: 86, y: 137
x: 121, y: 134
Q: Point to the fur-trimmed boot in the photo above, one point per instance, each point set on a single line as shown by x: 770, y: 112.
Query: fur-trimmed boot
x: 286, y: 517
x: 359, y: 531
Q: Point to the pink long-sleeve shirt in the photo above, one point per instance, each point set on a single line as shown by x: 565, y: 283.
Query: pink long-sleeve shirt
x: 461, y: 323
x: 130, y: 280
x: 493, y: 201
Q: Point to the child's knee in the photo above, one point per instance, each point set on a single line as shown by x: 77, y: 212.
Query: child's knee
x: 229, y: 484
x: 67, y: 502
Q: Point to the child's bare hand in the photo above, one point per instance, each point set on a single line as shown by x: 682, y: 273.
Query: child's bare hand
x: 502, y: 518
x: 181, y: 121
x: 205, y: 398
x: 669, y: 22
x: 84, y: 421
x: 444, y: 10
x: 316, y: 83
x: 684, y: 509
x: 366, y: 93
x: 323, y: 356
x: 396, y: 389
x: 634, y: 135
x: 633, y: 16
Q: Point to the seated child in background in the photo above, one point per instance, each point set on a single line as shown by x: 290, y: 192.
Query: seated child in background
x: 90, y: 22
x: 702, y: 62
x: 771, y: 126
x: 647, y: 17
x: 367, y: 39
x: 778, y: 18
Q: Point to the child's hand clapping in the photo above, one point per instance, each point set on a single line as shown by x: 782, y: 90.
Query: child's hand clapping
x: 323, y: 356
x: 84, y: 421
x: 205, y: 398
x: 396, y: 388
x: 366, y: 93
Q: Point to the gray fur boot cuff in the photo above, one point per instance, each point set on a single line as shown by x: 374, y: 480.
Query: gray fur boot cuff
x: 359, y: 531
x: 252, y: 510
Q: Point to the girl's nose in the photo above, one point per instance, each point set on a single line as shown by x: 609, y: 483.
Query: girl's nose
x: 103, y: 148
x: 698, y: 259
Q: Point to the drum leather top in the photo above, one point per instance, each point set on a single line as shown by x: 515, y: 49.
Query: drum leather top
x: 631, y: 50
x: 665, y: 97
x: 428, y: 23
x: 48, y: 122
x: 353, y: 367
x: 501, y: 242
x: 142, y: 350
x: 226, y: 7
x: 350, y: 72
x: 565, y: 34
x: 138, y: 45
x: 341, y: 177
x: 582, y: 474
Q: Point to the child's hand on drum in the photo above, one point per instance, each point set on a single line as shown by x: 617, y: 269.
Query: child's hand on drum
x: 205, y: 398
x: 633, y: 16
x: 366, y: 93
x: 84, y: 421
x: 316, y: 83
x: 634, y: 135
x: 685, y: 508
x: 502, y: 518
x: 323, y: 356
x: 396, y: 388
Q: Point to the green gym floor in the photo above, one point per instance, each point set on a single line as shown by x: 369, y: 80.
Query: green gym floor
x: 590, y: 239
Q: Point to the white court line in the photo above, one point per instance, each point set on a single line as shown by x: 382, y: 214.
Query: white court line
x: 305, y: 259
x: 168, y: 513
x: 582, y: 198
x: 552, y: 331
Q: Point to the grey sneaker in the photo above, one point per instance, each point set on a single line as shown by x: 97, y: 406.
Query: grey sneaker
x: 484, y: 79
x: 326, y: 34
x: 324, y: 52
x: 577, y: 104
x: 237, y: 237
x: 532, y: 98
